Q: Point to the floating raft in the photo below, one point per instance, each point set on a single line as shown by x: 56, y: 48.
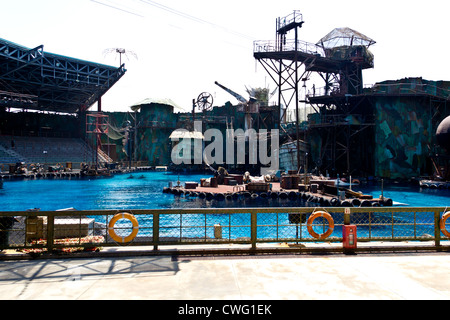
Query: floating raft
x: 237, y: 192
x: 432, y: 184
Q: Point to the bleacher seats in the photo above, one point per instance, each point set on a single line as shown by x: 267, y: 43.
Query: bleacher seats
x: 44, y: 150
x: 5, y: 157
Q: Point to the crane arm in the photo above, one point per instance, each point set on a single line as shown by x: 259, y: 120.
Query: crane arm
x: 234, y: 94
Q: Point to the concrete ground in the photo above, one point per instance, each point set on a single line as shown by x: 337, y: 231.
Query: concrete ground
x: 273, y: 277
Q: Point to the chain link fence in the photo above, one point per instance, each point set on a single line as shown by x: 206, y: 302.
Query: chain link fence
x: 91, y: 230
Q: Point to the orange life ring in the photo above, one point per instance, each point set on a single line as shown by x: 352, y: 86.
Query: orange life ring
x: 316, y: 215
x: 442, y: 224
x: 117, y: 217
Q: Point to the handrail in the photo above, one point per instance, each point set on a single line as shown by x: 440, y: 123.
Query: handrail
x: 180, y: 227
x: 290, y: 45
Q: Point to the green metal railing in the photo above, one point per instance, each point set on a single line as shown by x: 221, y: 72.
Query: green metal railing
x: 87, y: 230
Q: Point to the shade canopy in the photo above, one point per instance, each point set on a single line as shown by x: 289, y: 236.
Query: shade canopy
x: 38, y: 80
x: 344, y: 37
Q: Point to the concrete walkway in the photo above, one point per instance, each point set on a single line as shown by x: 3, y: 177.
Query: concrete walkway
x: 362, y: 276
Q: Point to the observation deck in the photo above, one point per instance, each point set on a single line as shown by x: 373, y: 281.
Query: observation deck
x: 314, y: 57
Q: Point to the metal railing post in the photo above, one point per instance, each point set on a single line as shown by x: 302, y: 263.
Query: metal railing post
x: 254, y: 221
x: 50, y: 232
x: 155, y: 231
x: 437, y: 229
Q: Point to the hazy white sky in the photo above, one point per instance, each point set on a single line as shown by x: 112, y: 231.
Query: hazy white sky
x: 182, y: 47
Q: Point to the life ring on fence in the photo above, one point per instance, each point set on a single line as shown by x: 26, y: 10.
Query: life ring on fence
x: 316, y: 215
x: 116, y: 218
x: 442, y: 224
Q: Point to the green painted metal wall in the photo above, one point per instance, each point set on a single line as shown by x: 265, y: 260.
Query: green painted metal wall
x: 155, y: 124
x: 407, y: 117
x: 403, y: 133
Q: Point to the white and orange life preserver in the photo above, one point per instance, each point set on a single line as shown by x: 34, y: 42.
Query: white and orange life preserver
x: 442, y: 224
x: 324, y: 215
x: 117, y: 217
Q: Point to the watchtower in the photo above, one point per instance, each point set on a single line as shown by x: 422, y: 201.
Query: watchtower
x: 282, y: 59
x: 342, y: 111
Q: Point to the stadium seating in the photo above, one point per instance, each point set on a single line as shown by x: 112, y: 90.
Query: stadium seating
x: 45, y: 150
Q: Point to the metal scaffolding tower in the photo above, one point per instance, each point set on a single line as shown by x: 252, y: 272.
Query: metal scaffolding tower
x: 343, y: 112
x: 282, y: 60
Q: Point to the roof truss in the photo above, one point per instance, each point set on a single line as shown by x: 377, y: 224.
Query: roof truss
x: 60, y: 83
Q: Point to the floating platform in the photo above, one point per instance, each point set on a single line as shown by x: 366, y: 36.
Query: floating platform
x: 433, y: 184
x: 323, y: 197
x: 62, y: 174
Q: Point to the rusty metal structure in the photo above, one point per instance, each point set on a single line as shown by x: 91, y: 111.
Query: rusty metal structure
x: 282, y: 59
x: 352, y: 126
x: 339, y: 59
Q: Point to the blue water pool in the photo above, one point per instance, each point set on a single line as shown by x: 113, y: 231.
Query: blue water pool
x: 144, y: 191
x: 411, y: 196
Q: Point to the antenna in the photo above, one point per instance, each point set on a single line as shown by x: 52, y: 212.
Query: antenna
x: 120, y: 51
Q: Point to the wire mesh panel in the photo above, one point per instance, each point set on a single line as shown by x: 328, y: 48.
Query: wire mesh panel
x: 23, y: 231
x: 269, y: 224
x: 394, y: 225
x: 193, y: 227
x: 293, y: 226
x: 240, y: 227
x: 12, y: 232
x: 280, y: 226
x: 218, y: 226
x: 413, y: 225
x: 72, y: 232
x: 204, y: 227
x: 169, y: 227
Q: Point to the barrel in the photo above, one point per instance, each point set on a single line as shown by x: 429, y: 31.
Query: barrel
x: 283, y: 195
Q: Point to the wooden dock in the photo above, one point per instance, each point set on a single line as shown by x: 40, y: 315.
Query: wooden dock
x: 44, y: 175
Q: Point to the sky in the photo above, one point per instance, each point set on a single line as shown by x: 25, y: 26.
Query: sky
x: 177, y: 49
